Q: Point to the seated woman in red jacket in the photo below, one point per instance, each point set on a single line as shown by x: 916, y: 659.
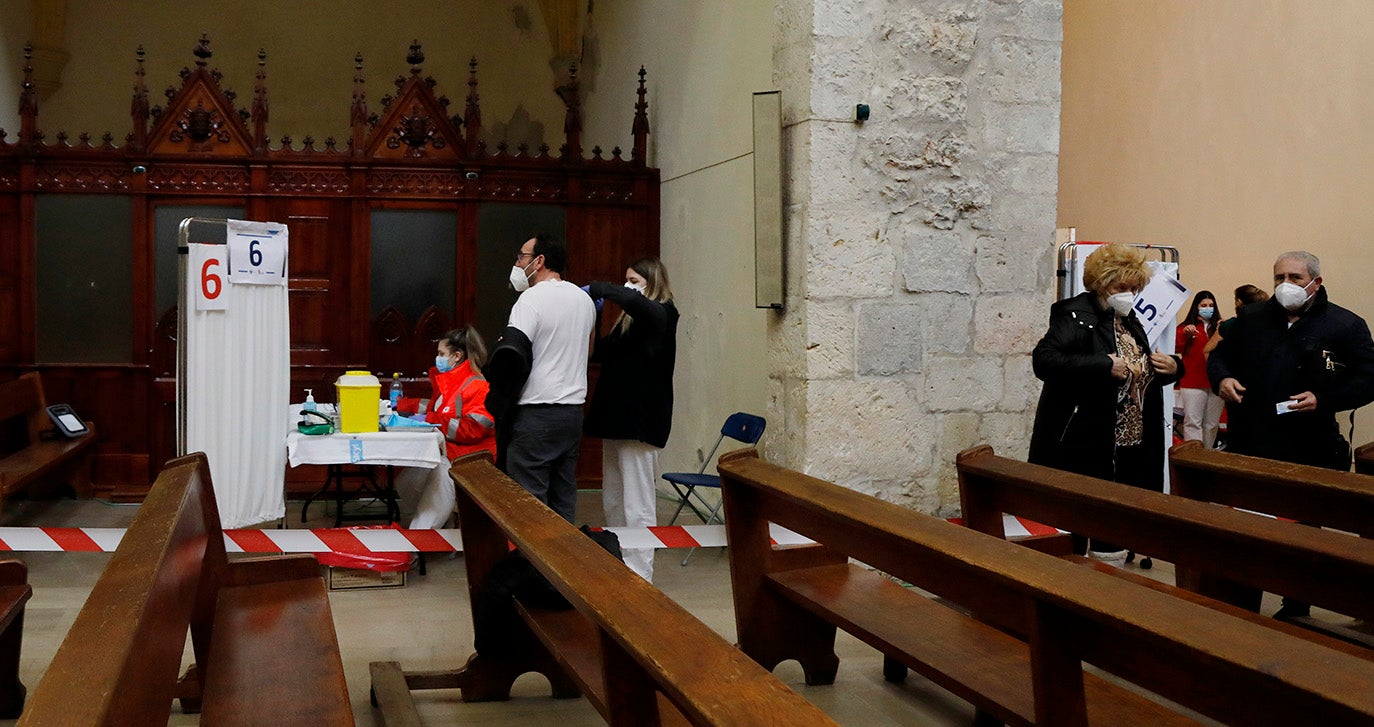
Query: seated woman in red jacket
x: 458, y: 406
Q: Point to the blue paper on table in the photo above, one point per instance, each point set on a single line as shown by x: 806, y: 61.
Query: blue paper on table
x: 396, y: 421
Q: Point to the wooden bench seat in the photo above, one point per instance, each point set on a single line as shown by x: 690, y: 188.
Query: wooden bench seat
x: 638, y: 656
x: 261, y: 629
x: 39, y: 460
x: 967, y: 657
x: 1226, y: 554
x: 789, y: 602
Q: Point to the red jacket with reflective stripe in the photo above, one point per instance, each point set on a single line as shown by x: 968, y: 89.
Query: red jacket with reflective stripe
x: 458, y: 406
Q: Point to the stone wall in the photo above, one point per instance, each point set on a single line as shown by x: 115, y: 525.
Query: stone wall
x: 920, y: 243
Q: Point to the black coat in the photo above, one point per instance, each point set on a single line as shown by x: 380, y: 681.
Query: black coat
x: 1274, y: 361
x: 634, y: 393
x: 1075, y: 422
x: 506, y: 371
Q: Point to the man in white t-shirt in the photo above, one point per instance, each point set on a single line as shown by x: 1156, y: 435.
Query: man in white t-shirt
x: 546, y: 431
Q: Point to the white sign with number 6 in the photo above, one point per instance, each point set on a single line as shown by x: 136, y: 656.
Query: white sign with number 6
x: 257, y: 252
x: 205, y: 265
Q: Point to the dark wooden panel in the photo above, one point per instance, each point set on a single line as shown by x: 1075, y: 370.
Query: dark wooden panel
x: 10, y: 276
x: 326, y: 196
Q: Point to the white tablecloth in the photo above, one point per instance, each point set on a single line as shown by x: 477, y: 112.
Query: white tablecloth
x: 423, y: 488
x: 410, y: 448
x: 403, y: 449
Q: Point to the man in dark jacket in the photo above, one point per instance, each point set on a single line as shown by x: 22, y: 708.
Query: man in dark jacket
x: 1287, y: 365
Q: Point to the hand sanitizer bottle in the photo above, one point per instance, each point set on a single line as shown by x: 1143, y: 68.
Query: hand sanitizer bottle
x: 396, y: 391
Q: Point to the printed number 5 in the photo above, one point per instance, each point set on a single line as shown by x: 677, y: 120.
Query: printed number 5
x: 254, y: 254
x: 1145, y: 310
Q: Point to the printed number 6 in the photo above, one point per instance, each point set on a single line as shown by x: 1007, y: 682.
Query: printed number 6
x: 254, y: 254
x: 1146, y: 310
x: 211, y: 285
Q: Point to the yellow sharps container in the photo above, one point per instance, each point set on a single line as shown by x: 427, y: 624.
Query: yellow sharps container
x: 359, y: 395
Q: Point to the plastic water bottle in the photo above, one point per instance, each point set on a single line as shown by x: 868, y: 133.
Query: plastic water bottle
x: 396, y: 391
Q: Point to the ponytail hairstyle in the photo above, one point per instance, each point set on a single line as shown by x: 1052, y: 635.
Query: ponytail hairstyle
x: 469, y: 341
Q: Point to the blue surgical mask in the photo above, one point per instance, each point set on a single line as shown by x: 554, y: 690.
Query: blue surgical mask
x: 1206, y: 313
x: 443, y: 363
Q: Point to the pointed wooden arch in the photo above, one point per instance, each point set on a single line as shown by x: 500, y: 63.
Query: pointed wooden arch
x: 200, y: 118
x: 415, y: 125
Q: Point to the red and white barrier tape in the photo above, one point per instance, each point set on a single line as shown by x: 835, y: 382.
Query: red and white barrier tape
x: 388, y: 540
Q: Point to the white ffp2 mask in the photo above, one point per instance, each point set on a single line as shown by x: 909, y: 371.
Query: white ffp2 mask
x: 1121, y: 303
x: 518, y: 279
x: 1291, y: 295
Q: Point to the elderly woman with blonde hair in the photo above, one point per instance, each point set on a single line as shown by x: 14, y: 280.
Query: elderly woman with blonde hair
x: 1101, y: 410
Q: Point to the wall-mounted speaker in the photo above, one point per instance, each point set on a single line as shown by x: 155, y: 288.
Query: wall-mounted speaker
x: 768, y: 249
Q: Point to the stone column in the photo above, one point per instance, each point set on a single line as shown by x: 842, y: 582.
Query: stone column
x: 919, y: 243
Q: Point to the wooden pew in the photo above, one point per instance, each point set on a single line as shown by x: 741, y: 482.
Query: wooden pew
x: 789, y: 601
x: 1364, y: 459
x: 638, y: 656
x: 1222, y: 553
x: 40, y: 460
x: 1313, y: 495
x: 14, y: 593
x: 261, y: 628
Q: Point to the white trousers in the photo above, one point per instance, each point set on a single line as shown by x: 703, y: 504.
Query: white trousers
x: 425, y: 496
x: 1201, y: 415
x: 628, y: 472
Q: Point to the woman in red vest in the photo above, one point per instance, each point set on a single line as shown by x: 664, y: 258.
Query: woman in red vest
x: 457, y: 405
x: 1201, y: 408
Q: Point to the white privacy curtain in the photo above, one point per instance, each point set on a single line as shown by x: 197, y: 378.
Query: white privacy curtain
x: 234, y: 371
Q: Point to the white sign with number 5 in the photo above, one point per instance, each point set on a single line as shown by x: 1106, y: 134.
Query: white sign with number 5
x: 257, y: 252
x: 1158, y: 304
x: 205, y: 265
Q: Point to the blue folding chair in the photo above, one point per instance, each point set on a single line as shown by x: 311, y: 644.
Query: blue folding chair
x: 746, y: 428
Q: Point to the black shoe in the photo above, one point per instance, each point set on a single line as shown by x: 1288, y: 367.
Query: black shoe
x: 1293, y: 610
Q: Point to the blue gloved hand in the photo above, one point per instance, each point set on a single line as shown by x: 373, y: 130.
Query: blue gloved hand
x: 416, y: 417
x: 598, y: 302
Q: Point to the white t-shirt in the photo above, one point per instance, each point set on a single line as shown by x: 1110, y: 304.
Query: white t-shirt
x: 558, y: 318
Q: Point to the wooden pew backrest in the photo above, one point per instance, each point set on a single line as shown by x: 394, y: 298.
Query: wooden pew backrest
x: 126, y: 644
x: 1313, y: 495
x: 24, y: 397
x: 1066, y: 612
x: 706, y: 678
x: 1328, y: 569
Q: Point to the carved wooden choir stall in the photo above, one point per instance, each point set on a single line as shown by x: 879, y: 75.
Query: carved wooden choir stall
x: 398, y: 232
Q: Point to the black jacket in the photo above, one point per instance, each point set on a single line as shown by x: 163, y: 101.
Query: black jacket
x: 1274, y: 361
x: 634, y: 394
x: 1075, y: 422
x: 506, y: 371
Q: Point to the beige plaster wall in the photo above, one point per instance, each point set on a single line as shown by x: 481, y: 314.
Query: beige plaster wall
x: 1231, y: 129
x: 310, y: 48
x: 16, y: 19
x: 704, y: 60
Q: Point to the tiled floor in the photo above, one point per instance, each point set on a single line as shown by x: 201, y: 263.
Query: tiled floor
x: 427, y: 625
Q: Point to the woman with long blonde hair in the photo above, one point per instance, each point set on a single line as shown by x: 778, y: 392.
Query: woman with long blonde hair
x: 632, y: 408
